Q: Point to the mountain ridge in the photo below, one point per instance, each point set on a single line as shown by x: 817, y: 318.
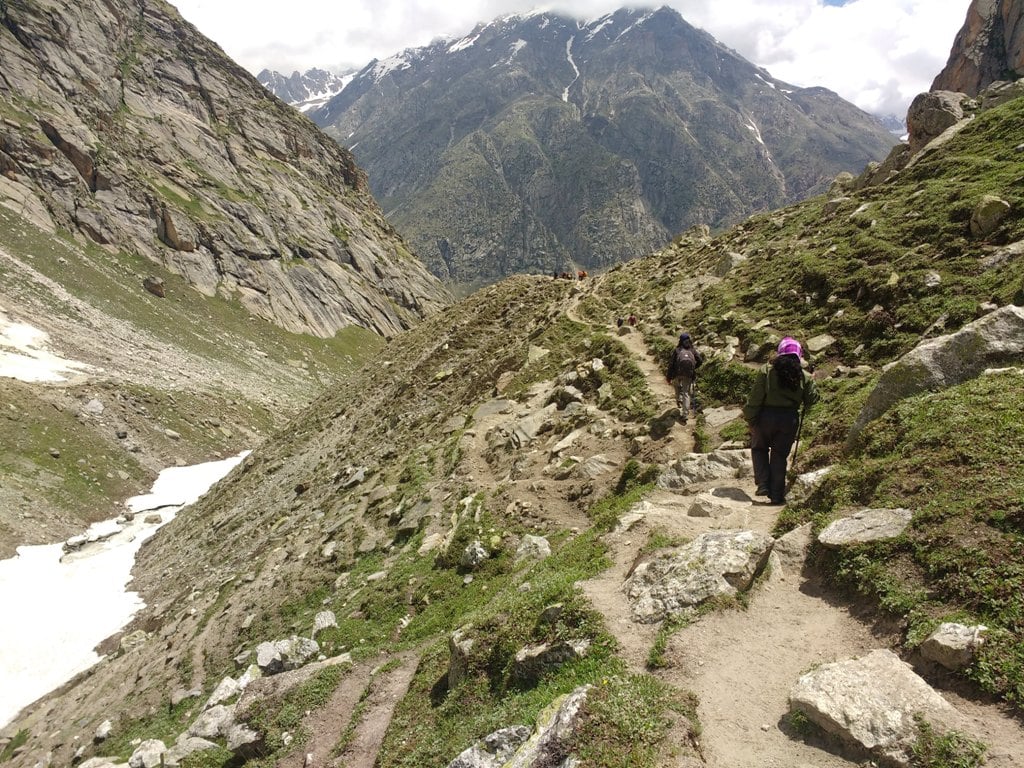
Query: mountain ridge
x: 535, y: 144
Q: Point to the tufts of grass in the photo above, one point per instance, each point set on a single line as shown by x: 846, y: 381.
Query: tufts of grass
x: 949, y: 750
x: 275, y: 717
x: 20, y: 738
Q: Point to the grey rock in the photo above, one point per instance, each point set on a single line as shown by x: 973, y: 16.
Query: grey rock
x: 243, y: 740
x: 460, y: 645
x: 820, y: 343
x: 494, y: 750
x: 227, y: 688
x: 597, y: 466
x: 953, y: 645
x: 213, y: 722
x: 324, y: 620
x: 473, y: 556
x: 807, y: 482
x: 155, y: 285
x: 864, y: 526
x: 526, y: 429
x: 533, y: 548
x: 94, y: 407
x: 871, y: 702
x: 988, y: 214
x: 103, y: 731
x: 705, y: 467
x: 993, y: 340
x: 930, y: 114
x: 147, y: 754
x: 729, y: 261
x: 282, y: 655
x: 1003, y: 255
x: 180, y: 695
x: 791, y: 548
x: 713, y: 564
x: 185, y: 745
x: 534, y: 661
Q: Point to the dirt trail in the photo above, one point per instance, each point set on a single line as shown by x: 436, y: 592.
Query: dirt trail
x: 377, y: 692
x: 742, y: 663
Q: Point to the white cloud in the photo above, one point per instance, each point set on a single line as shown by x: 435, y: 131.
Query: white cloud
x: 877, y: 53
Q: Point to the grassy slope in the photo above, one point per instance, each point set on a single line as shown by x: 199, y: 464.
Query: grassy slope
x: 231, y: 369
x: 957, y: 467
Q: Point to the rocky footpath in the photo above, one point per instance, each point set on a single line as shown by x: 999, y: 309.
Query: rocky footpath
x: 122, y: 124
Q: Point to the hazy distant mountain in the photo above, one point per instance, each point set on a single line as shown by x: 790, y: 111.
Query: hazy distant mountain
x: 538, y: 142
x: 307, y: 90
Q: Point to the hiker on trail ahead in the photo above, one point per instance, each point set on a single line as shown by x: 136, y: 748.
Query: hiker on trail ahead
x: 682, y: 371
x: 773, y: 413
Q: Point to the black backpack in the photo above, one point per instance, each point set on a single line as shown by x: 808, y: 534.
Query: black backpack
x: 685, y: 362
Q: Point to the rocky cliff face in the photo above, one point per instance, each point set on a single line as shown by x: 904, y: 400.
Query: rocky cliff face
x: 989, y: 47
x: 122, y: 124
x: 539, y: 143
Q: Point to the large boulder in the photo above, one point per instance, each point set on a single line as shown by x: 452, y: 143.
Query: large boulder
x: 930, y: 114
x: 713, y: 564
x: 994, y: 340
x: 988, y: 214
x: 864, y: 526
x: 872, y: 702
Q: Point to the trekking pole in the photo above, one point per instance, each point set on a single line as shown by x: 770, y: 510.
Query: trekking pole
x: 796, y: 443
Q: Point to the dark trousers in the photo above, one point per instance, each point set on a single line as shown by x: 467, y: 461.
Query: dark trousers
x: 771, y: 439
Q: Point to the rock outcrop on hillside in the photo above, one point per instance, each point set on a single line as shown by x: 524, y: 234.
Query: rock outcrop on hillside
x: 989, y: 47
x: 540, y: 143
x: 123, y: 125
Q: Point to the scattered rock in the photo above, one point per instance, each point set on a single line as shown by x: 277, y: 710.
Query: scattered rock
x: 185, y: 745
x: 494, y: 750
x: 871, y: 702
x: 533, y: 548
x: 103, y: 731
x: 820, y: 343
x: 864, y: 526
x: 282, y: 655
x: 953, y: 645
x: 988, y: 215
x: 155, y: 285
x: 227, y: 688
x: 213, y: 722
x: 147, y: 754
x: 705, y: 467
x: 324, y: 620
x: 713, y: 564
x: 459, y: 647
x: 473, y: 556
x: 534, y: 661
x: 791, y: 548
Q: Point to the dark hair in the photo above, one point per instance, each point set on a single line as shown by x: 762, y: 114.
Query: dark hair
x: 787, y: 368
x: 685, y: 341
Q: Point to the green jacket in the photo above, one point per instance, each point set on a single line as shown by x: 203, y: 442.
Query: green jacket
x: 767, y: 391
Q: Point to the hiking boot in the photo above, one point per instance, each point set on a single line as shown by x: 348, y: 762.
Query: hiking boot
x: 779, y: 502
x: 762, y: 490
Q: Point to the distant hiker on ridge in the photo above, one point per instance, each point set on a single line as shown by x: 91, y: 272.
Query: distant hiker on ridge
x: 682, y: 371
x: 773, y: 413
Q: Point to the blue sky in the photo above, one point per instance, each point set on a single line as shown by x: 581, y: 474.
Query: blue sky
x: 878, y: 54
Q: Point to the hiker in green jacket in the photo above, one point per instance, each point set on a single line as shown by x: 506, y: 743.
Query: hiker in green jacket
x: 773, y: 414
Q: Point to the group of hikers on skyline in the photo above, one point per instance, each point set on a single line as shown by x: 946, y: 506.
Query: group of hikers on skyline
x: 781, y: 393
